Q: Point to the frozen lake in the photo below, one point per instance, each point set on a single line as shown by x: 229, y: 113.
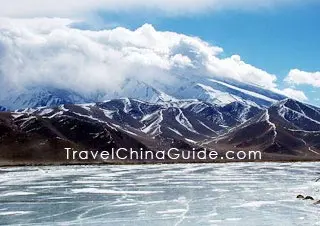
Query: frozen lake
x: 211, y: 194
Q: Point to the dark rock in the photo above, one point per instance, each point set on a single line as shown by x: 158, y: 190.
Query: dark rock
x: 300, y: 197
x: 317, y: 202
x: 308, y: 198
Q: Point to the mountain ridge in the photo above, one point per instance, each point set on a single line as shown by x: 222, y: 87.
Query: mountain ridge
x: 186, y: 124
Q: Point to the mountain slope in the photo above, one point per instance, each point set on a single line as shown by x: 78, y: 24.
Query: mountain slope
x: 32, y: 139
x: 288, y: 130
x: 288, y: 127
x: 188, y: 119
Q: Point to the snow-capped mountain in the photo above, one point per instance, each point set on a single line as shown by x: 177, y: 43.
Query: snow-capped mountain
x: 194, y: 112
x: 214, y: 91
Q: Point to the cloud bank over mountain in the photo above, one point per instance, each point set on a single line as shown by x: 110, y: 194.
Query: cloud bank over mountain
x: 66, y: 8
x: 48, y: 52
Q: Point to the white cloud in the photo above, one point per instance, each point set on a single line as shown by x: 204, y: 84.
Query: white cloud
x: 298, y: 77
x: 235, y: 68
x: 294, y: 94
x: 66, y: 8
x: 46, y: 52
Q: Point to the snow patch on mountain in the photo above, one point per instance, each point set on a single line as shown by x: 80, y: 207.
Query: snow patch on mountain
x: 182, y: 120
x: 273, y: 126
x: 215, y: 96
x: 154, y: 128
x: 257, y: 95
x: 175, y: 131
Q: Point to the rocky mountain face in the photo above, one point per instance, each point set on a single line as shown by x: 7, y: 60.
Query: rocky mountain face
x: 287, y: 130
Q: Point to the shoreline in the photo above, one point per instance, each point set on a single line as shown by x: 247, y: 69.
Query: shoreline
x: 4, y: 165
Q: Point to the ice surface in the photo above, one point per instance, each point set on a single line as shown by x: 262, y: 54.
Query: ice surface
x: 192, y: 194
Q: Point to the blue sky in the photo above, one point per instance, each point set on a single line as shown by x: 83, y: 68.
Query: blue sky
x: 276, y: 40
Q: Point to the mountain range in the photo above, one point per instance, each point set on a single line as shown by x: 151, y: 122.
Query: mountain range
x: 216, y: 114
